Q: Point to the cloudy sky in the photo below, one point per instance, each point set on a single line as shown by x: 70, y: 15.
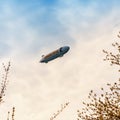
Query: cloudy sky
x: 31, y: 28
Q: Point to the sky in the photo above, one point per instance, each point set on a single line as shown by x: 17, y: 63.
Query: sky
x: 31, y: 28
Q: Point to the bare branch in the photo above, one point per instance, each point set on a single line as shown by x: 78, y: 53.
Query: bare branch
x: 63, y: 106
x: 4, y: 81
x: 107, y: 105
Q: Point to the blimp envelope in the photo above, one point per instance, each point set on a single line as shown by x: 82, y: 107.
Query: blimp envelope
x: 55, y: 54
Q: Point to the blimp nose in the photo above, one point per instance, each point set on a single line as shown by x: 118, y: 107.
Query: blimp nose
x: 66, y: 48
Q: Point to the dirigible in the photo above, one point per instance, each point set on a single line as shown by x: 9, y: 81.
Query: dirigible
x: 55, y: 54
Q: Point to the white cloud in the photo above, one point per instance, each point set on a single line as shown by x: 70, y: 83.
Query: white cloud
x: 37, y: 90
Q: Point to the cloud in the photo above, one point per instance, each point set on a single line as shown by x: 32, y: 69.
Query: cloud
x: 27, y: 31
x: 37, y: 90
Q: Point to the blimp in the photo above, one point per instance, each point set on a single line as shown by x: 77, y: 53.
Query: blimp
x: 54, y: 54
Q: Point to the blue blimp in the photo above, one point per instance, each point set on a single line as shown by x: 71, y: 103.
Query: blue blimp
x: 55, y: 54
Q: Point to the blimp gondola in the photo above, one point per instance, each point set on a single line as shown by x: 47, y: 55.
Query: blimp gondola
x: 55, y: 54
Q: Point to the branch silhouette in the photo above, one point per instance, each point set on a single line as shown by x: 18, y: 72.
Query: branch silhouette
x: 4, y: 81
x: 106, y: 106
